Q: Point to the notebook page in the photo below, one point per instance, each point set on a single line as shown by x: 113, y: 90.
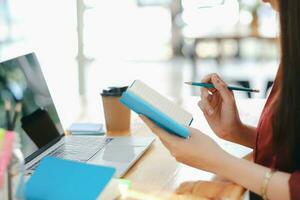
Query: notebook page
x: 160, y: 102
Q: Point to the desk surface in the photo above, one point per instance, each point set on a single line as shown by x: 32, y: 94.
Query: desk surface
x: 157, y: 174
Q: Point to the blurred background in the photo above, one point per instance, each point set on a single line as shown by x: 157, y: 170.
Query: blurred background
x: 87, y: 45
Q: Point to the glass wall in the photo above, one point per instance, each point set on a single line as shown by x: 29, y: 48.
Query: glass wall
x: 86, y: 45
x: 49, y: 29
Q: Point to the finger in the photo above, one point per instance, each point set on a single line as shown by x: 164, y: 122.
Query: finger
x: 205, y: 99
x: 153, y: 127
x: 156, y: 130
x: 214, y: 97
x: 202, y: 107
x: 148, y: 122
x: 185, y: 188
x: 207, y: 189
x: 221, y: 86
x: 166, y: 137
x: 205, y: 93
x: 231, y: 191
x: 215, y: 100
x: 207, y: 79
x: 192, y: 131
x: 213, y: 90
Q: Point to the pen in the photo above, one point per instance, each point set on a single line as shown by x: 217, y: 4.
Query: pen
x: 209, y: 85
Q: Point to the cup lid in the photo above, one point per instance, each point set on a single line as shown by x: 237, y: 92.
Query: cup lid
x: 114, y: 91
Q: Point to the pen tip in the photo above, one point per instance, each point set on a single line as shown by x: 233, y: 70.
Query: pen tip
x: 256, y: 91
x: 190, y: 83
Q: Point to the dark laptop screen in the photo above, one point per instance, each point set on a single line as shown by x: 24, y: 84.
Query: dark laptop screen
x: 22, y: 80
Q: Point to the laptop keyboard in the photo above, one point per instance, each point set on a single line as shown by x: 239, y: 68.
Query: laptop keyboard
x: 78, y: 149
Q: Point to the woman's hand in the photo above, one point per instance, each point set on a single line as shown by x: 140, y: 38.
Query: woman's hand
x: 198, y: 151
x: 219, y: 108
x: 211, y: 190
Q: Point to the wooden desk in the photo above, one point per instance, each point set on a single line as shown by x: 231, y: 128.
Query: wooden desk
x: 157, y: 174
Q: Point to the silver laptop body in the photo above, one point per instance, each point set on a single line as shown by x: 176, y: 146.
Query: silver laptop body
x: 40, y: 128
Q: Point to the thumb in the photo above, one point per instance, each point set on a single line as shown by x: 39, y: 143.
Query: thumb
x: 192, y: 131
x: 221, y: 86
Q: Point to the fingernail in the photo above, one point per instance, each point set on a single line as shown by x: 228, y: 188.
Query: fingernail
x: 210, y: 111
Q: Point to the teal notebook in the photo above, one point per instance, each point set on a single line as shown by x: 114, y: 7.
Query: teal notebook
x: 61, y: 179
x: 144, y: 100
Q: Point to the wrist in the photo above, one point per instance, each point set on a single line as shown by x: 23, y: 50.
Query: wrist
x: 220, y: 161
x: 240, y: 128
x: 233, y: 133
x: 244, y: 135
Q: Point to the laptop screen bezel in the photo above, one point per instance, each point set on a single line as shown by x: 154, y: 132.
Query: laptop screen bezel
x: 42, y: 149
x: 39, y: 151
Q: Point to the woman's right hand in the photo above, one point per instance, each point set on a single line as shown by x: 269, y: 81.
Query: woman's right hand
x: 219, y: 108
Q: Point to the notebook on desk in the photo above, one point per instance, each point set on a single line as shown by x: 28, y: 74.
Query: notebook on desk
x: 144, y: 100
x: 73, y: 180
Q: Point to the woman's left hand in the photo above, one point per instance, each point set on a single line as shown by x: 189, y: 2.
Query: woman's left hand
x: 210, y: 190
x: 198, y: 151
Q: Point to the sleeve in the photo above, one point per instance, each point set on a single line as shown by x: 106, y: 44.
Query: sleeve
x: 294, y: 184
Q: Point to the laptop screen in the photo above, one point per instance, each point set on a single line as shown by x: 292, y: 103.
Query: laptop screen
x: 22, y: 82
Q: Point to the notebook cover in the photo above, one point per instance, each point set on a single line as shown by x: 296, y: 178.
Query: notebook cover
x: 140, y: 106
x: 61, y: 179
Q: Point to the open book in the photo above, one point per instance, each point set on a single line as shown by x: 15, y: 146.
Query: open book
x: 144, y: 100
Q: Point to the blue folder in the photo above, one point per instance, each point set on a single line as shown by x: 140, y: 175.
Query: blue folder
x: 63, y: 179
x: 140, y: 106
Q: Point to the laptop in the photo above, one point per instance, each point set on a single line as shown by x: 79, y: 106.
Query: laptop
x: 40, y: 129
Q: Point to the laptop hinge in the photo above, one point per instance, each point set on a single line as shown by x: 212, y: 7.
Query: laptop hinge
x: 43, y: 149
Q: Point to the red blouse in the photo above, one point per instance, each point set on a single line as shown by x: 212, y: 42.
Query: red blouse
x: 263, y: 153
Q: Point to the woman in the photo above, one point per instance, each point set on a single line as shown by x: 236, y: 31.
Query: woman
x: 275, y: 174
